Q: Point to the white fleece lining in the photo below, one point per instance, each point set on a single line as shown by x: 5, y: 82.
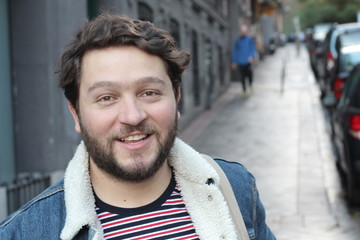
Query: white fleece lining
x: 79, y: 198
x: 205, y: 203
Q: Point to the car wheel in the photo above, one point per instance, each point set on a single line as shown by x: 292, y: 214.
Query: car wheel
x: 353, y: 193
x: 340, y: 171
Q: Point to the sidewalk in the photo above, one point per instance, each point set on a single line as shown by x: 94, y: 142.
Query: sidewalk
x: 282, y: 138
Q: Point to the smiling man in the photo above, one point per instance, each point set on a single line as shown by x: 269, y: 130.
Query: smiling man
x: 131, y: 178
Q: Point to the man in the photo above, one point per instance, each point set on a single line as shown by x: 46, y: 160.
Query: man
x: 243, y: 55
x: 131, y: 178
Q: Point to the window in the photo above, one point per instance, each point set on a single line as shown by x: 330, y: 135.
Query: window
x: 350, y: 38
x: 195, y: 68
x: 355, y: 88
x: 145, y: 12
x: 92, y: 9
x: 209, y: 69
x: 175, y: 31
x: 221, y: 65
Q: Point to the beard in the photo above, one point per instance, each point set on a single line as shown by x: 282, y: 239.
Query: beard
x: 103, y: 155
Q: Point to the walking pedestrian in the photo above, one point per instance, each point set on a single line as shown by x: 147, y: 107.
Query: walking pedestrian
x: 131, y: 177
x: 243, y: 54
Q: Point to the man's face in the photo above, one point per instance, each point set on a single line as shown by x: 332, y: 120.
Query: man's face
x: 243, y: 30
x: 127, y: 111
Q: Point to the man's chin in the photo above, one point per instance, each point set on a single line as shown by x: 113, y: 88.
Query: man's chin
x: 134, y: 168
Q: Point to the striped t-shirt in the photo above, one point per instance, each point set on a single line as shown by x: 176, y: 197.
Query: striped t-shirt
x: 165, y: 218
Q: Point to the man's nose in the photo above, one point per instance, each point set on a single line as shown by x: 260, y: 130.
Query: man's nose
x: 131, y: 112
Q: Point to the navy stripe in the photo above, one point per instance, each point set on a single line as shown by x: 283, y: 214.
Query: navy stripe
x: 165, y: 218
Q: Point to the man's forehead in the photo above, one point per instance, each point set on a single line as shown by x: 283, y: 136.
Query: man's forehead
x: 121, y: 54
x: 119, y: 66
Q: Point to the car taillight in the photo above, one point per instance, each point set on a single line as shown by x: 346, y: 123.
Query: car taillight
x: 330, y: 61
x: 338, y: 86
x: 313, y: 52
x: 355, y: 122
x: 354, y: 126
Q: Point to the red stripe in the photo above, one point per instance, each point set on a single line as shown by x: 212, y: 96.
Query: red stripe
x: 154, y: 228
x: 163, y: 233
x: 143, y: 217
x: 104, y: 215
x: 145, y: 226
x: 174, y: 201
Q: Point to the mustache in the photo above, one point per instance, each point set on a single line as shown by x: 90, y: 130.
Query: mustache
x: 142, y: 127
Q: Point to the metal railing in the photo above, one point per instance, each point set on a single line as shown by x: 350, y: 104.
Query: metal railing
x: 20, y: 191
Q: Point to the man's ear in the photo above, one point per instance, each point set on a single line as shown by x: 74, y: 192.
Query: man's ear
x: 75, y: 116
x: 177, y: 101
x: 178, y: 95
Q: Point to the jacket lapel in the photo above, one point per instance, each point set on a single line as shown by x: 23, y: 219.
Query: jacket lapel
x: 204, y: 202
x: 79, y: 198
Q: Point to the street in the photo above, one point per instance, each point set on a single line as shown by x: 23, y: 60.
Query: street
x: 281, y: 134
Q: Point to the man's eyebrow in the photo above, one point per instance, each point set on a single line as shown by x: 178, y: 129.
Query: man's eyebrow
x: 114, y: 84
x: 103, y: 84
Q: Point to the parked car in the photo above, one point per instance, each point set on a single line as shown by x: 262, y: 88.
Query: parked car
x: 282, y: 39
x: 272, y: 45
x: 330, y: 67
x: 346, y: 137
x: 291, y: 37
x: 308, y: 37
x: 315, y: 44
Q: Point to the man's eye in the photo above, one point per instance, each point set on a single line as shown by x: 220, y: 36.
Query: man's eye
x: 105, y: 99
x: 150, y: 93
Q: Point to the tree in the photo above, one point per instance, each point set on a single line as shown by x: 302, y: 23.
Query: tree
x: 316, y: 11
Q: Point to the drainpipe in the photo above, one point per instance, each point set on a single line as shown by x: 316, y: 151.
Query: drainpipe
x: 7, y: 159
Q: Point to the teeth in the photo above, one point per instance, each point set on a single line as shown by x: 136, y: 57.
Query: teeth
x: 133, y: 138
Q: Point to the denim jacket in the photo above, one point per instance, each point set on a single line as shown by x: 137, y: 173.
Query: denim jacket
x: 66, y: 210
x: 243, y: 48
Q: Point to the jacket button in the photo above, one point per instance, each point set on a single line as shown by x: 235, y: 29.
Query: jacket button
x: 210, y: 181
x: 210, y: 198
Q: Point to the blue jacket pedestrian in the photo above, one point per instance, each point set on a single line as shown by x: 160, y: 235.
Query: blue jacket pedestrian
x: 243, y: 51
x: 243, y: 55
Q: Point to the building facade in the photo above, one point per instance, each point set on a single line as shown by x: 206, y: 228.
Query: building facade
x: 36, y: 129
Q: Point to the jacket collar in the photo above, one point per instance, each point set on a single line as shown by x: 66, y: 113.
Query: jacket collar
x: 79, y: 198
x: 204, y: 202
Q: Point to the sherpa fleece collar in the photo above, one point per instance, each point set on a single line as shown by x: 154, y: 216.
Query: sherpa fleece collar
x: 205, y: 203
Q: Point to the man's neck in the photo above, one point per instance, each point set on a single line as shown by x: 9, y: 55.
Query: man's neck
x: 129, y: 194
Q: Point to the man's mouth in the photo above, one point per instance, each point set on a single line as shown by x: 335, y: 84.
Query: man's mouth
x: 134, y: 138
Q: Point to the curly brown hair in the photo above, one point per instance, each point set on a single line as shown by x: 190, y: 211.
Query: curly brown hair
x: 114, y: 30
